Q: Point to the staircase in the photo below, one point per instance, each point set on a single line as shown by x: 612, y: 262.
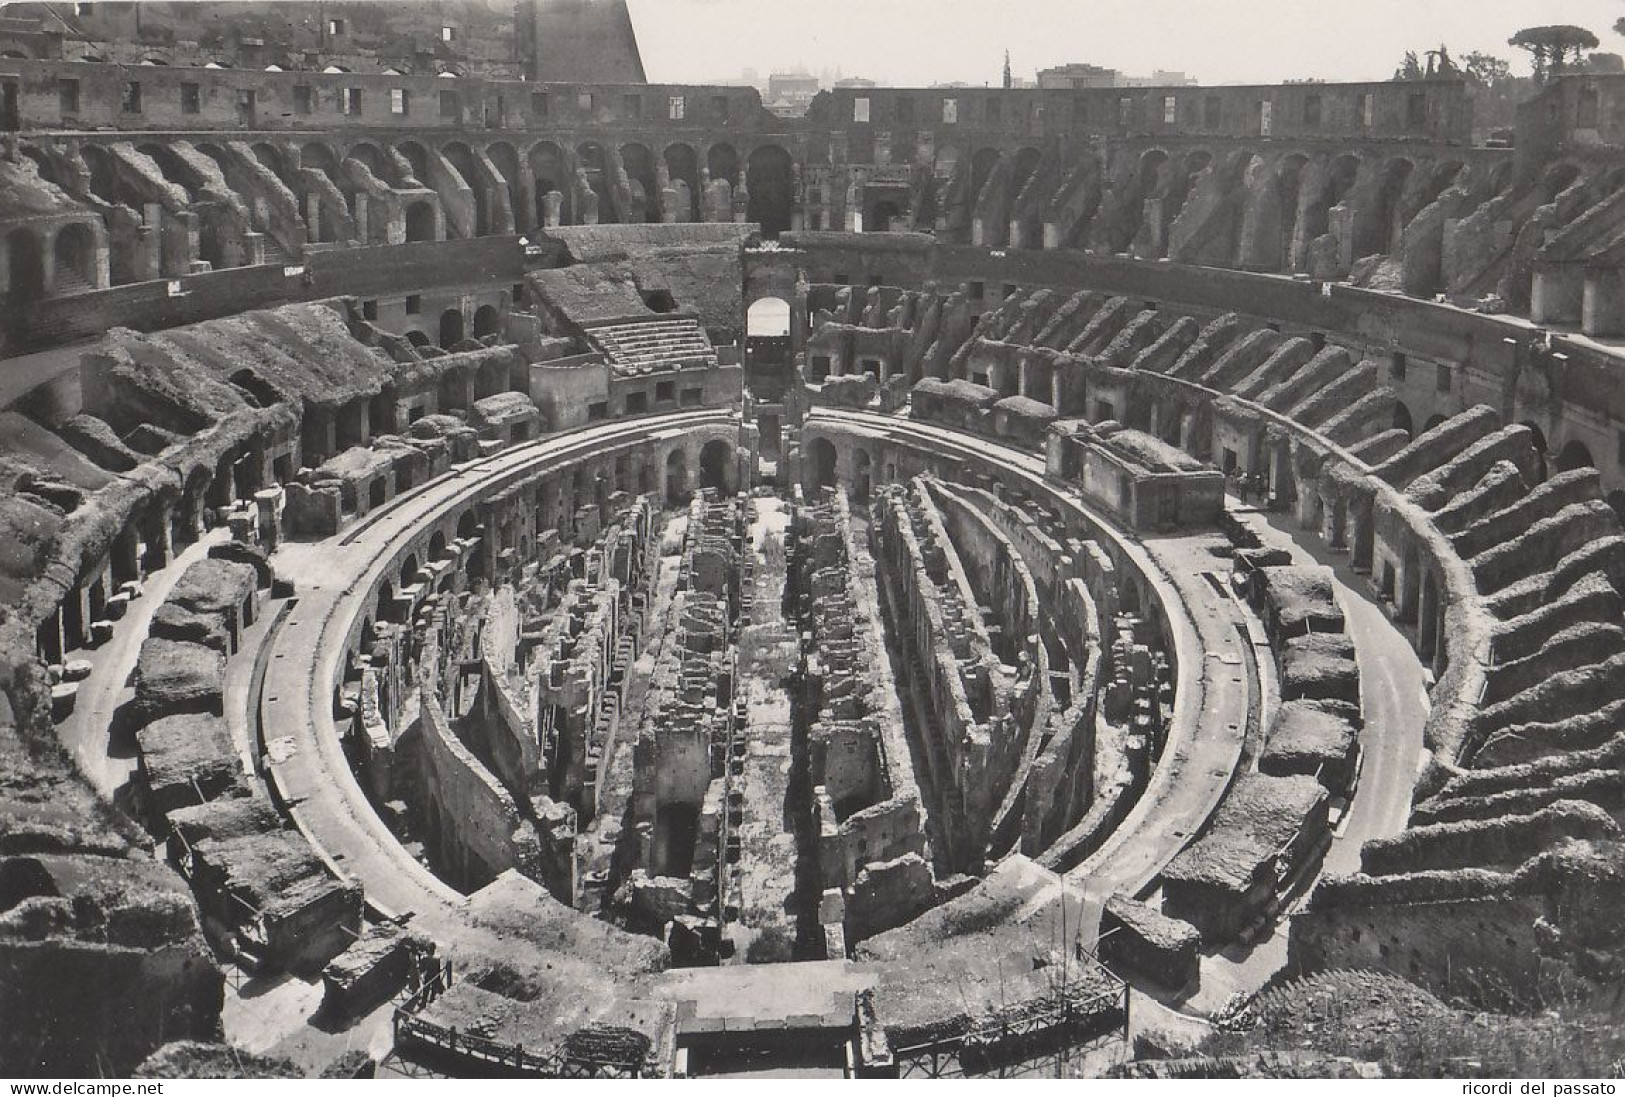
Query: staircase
x: 70, y: 282
x: 275, y: 254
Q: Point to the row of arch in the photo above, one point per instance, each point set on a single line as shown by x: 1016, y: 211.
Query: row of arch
x: 767, y: 172
x: 41, y: 261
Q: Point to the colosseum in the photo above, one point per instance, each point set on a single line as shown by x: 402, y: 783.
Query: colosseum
x: 511, y: 569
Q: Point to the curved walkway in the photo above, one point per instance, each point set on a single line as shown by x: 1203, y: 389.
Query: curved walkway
x: 334, y: 578
x: 1212, y: 702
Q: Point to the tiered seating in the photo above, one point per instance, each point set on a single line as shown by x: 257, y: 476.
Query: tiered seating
x: 653, y: 345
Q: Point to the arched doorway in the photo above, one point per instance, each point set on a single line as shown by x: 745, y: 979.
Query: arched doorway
x: 716, y: 459
x: 551, y: 175
x: 364, y: 152
x: 593, y: 165
x: 639, y: 163
x: 506, y: 160
x: 1574, y: 455
x: 767, y: 317
x: 75, y: 256
x: 418, y: 157
x: 683, y: 166
x: 722, y: 162
x: 462, y: 159
x: 1433, y: 421
x: 1383, y: 228
x: 676, y: 478
x: 1403, y: 421
x: 487, y: 321
x: 861, y: 484
x: 821, y: 464
x: 451, y: 328
x: 981, y: 166
x: 770, y: 182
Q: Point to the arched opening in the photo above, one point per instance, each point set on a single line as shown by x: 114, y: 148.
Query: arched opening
x: 1574, y: 455
x: 451, y: 328
x: 1026, y: 162
x: 369, y: 154
x: 683, y: 166
x: 461, y: 159
x: 1382, y: 228
x: 174, y: 169
x: 468, y: 526
x: 639, y: 163
x: 271, y: 157
x: 409, y: 570
x: 506, y: 160
x: 1340, y: 179
x: 1403, y: 421
x: 722, y: 162
x: 104, y: 177
x: 591, y: 163
x: 551, y: 175
x: 981, y: 166
x: 75, y: 256
x: 1178, y: 186
x: 768, y: 317
x: 419, y: 222
x: 821, y: 464
x: 318, y: 156
x: 676, y: 478
x: 385, y: 609
x: 716, y: 461
x: 861, y: 477
x: 771, y: 185
x: 1146, y: 182
x: 24, y: 878
x: 25, y: 266
x: 1288, y: 182
x: 418, y: 338
x: 487, y: 321
x: 437, y: 546
x: 418, y: 157
x: 1433, y: 421
x: 42, y: 164
x: 218, y: 155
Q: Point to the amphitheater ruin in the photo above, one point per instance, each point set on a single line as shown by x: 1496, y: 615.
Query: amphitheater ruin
x: 510, y: 569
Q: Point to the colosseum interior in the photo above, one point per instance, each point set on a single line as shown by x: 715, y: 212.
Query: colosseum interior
x: 511, y: 569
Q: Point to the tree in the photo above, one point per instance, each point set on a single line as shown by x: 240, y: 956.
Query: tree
x: 1440, y: 64
x: 1411, y: 69
x: 1553, y: 49
x: 1486, y: 69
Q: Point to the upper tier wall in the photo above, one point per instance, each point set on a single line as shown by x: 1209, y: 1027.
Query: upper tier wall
x: 1434, y: 110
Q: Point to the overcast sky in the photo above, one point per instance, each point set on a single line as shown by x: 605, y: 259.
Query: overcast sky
x: 908, y: 43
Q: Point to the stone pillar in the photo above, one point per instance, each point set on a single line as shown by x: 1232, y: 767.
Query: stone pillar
x: 395, y: 230
x: 362, y: 217
x: 313, y: 217
x: 268, y: 506
x: 551, y: 201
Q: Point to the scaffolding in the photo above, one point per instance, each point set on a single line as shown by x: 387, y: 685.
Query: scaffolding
x: 1037, y: 1036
